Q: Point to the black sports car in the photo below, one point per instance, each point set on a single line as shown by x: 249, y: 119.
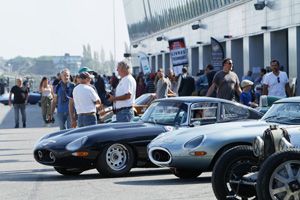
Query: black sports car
x: 116, y: 148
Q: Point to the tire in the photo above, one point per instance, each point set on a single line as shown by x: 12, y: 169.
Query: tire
x: 233, y: 164
x: 115, y: 160
x: 280, y: 172
x: 68, y: 172
x: 186, y: 173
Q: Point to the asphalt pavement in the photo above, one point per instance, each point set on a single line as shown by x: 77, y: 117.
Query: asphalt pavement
x: 21, y: 177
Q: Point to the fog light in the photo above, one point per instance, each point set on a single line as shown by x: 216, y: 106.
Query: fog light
x: 40, y: 154
x: 51, y: 155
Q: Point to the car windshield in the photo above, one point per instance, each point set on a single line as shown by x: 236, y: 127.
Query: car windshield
x: 285, y: 113
x: 167, y: 113
x: 143, y: 100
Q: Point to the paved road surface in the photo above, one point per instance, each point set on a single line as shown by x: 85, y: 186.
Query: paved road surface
x: 21, y: 177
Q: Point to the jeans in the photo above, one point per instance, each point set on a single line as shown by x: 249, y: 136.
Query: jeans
x: 125, y: 115
x: 86, y: 120
x: 64, y: 120
x: 21, y: 107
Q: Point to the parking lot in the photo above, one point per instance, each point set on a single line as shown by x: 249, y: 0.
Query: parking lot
x: 21, y: 177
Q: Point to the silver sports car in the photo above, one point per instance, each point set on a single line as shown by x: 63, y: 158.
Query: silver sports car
x: 189, y: 152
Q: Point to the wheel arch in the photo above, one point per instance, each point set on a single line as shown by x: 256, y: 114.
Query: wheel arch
x: 223, y: 149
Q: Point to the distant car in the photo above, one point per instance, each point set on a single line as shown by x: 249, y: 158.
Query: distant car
x: 34, y: 98
x: 270, y: 169
x: 113, y: 149
x: 265, y: 102
x: 192, y: 151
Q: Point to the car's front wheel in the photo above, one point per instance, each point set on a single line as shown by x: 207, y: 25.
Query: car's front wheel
x: 186, y: 173
x: 231, y: 166
x: 68, y: 172
x: 115, y: 160
x: 279, y: 176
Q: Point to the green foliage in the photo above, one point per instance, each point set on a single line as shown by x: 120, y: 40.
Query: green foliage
x: 42, y: 66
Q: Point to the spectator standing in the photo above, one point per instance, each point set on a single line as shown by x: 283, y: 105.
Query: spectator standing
x: 163, y: 85
x: 174, y: 83
x: 170, y: 74
x: 248, y: 77
x: 226, y: 81
x: 114, y: 81
x: 150, y: 87
x: 21, y: 96
x: 276, y: 83
x: 46, y: 100
x: 85, y: 100
x: 100, y: 87
x: 27, y: 83
x: 125, y: 94
x: 186, y: 83
x: 202, y: 83
x: 62, y: 92
x: 245, y: 97
x: 2, y: 86
x: 210, y: 77
x: 57, y: 80
x: 259, y: 85
x: 140, y: 87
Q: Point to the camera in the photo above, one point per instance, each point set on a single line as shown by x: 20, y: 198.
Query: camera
x: 107, y: 95
x: 48, y: 121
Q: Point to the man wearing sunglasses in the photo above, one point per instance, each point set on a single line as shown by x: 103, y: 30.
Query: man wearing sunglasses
x: 226, y: 81
x: 276, y: 83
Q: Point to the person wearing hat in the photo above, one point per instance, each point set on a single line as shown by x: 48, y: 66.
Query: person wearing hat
x: 245, y: 97
x: 124, y: 97
x: 150, y: 87
x: 85, y: 100
x: 85, y: 69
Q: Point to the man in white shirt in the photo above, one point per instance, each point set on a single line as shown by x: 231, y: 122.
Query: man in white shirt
x: 276, y: 83
x: 85, y: 100
x: 124, y: 97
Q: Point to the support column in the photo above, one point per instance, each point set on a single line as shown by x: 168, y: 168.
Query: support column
x: 267, y: 49
x: 246, y: 55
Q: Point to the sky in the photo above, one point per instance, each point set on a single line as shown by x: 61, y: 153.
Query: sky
x: 33, y: 28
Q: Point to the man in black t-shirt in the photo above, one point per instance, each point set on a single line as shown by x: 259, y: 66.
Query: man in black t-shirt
x: 21, y: 97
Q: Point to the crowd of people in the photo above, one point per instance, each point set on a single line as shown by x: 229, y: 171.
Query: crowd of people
x: 77, y: 99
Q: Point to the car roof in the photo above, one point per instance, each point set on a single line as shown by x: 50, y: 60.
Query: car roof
x: 288, y: 100
x: 192, y: 99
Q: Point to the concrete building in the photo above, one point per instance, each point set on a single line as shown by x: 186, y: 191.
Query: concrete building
x: 71, y: 62
x: 251, y: 32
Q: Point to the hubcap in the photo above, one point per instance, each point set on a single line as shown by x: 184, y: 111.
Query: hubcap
x: 116, y: 157
x: 284, y: 182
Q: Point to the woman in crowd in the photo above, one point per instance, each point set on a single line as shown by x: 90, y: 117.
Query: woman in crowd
x: 174, y: 82
x: 140, y: 87
x: 47, y: 97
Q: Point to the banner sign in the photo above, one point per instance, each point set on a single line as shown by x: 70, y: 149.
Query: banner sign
x: 144, y: 63
x: 178, y: 52
x: 217, y: 54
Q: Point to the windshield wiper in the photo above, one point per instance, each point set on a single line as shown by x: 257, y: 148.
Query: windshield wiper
x: 270, y: 117
x: 277, y: 117
x: 154, y: 120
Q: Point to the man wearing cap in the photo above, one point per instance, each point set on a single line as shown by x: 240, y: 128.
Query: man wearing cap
x: 227, y: 82
x: 125, y: 94
x: 62, y: 92
x: 276, y: 83
x: 150, y: 87
x: 85, y: 100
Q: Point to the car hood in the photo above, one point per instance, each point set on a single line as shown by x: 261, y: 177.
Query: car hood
x: 212, y: 131
x: 103, y: 132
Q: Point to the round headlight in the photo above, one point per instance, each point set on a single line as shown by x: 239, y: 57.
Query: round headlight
x: 258, y: 146
x: 76, y: 144
x: 194, y: 142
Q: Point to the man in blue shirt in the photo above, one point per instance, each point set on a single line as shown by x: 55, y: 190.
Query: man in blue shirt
x: 202, y: 84
x: 62, y: 92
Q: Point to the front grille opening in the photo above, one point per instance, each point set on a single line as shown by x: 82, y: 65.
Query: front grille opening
x: 160, y: 155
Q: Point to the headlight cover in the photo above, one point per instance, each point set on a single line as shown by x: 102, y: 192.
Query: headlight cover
x: 76, y: 144
x: 258, y: 146
x: 193, y: 143
x: 284, y: 144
